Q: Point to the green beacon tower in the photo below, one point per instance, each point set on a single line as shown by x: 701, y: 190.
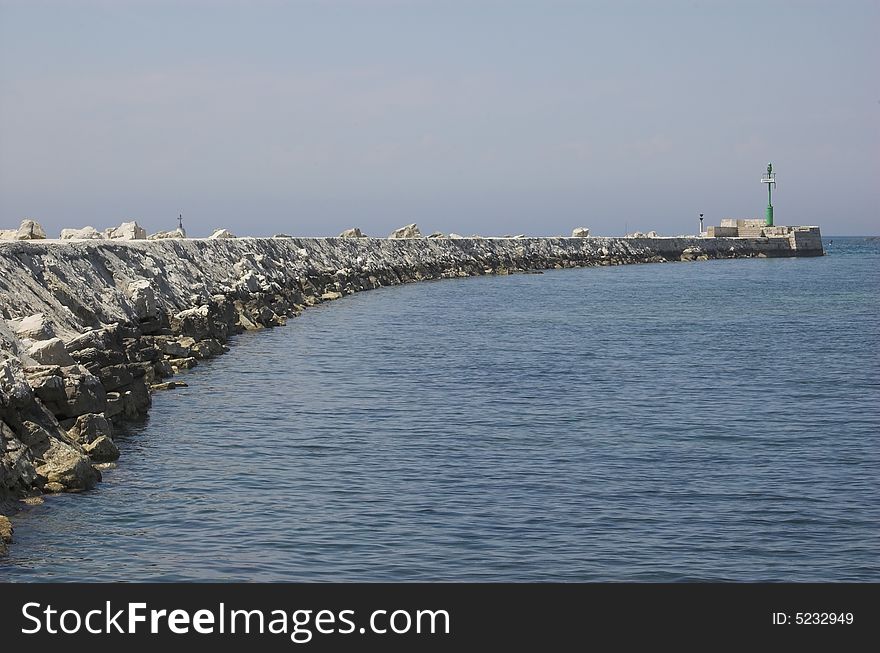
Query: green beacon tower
x: 770, y: 180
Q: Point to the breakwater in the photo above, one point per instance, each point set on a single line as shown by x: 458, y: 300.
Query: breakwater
x: 91, y: 329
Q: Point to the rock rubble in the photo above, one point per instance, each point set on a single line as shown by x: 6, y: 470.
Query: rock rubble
x: 90, y: 328
x: 408, y: 231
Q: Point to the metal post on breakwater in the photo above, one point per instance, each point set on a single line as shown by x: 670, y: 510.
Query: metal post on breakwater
x: 770, y: 180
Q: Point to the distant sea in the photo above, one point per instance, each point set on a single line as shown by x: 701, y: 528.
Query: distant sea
x: 709, y: 421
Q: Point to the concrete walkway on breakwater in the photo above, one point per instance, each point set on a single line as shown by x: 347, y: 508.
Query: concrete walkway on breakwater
x: 90, y: 329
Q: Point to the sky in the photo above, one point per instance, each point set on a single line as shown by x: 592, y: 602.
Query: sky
x: 486, y: 116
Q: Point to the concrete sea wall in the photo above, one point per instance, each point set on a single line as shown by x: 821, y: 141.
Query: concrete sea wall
x: 90, y: 329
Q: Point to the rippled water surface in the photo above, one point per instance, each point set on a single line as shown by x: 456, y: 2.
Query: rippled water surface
x: 699, y: 421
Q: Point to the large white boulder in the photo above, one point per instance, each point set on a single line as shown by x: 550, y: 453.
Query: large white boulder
x: 175, y: 233
x: 102, y: 449
x: 580, y: 232
x: 34, y: 327
x: 693, y: 254
x: 30, y: 230
x: 222, y: 233
x: 66, y: 467
x: 354, y: 232
x: 50, y: 352
x: 143, y: 298
x: 409, y: 231
x: 126, y: 231
x: 86, y: 233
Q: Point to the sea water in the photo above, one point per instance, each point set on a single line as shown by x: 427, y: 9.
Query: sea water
x: 702, y: 421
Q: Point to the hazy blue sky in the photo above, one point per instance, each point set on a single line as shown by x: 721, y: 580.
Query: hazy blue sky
x: 485, y: 116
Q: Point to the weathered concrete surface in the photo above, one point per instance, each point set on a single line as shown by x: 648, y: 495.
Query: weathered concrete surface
x: 88, y: 329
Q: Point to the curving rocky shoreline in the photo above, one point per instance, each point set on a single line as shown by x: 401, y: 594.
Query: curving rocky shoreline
x: 91, y: 328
